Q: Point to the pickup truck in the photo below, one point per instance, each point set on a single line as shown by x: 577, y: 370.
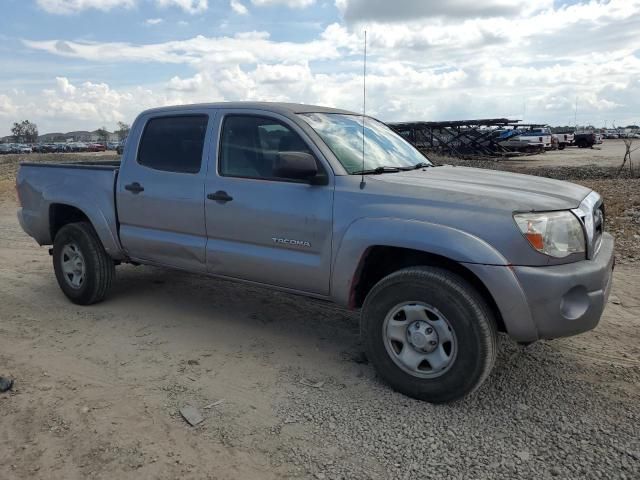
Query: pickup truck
x: 585, y: 139
x: 564, y: 139
x: 330, y: 204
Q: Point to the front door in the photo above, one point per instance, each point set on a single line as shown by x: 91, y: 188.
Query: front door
x: 160, y: 195
x: 260, y: 227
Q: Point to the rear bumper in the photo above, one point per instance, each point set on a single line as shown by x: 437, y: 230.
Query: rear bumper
x: 554, y: 301
x: 569, y: 299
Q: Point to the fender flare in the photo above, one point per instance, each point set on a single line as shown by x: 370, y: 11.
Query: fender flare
x: 433, y: 238
x: 104, y: 226
x: 473, y: 253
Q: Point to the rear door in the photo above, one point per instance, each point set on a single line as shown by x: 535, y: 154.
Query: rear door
x: 260, y: 227
x: 160, y: 193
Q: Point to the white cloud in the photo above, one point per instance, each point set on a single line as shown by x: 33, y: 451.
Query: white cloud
x: 189, y: 6
x: 285, y: 3
x: 238, y: 7
x: 430, y: 68
x: 153, y: 21
x: 75, y: 6
x: 7, y: 108
x: 389, y: 11
x: 248, y: 47
x: 192, y: 84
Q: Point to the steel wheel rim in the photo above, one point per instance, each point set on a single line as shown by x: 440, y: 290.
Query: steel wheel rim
x: 419, y: 339
x: 73, y: 265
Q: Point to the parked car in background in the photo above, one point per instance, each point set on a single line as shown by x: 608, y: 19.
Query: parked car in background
x: 24, y: 149
x: 78, y: 147
x: 565, y: 139
x: 96, y: 147
x: 112, y: 145
x: 5, y: 149
x: 538, y: 135
x: 120, y: 147
x: 438, y: 259
x: 585, y: 139
x: 611, y: 134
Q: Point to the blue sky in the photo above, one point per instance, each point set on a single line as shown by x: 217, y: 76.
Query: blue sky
x: 82, y: 64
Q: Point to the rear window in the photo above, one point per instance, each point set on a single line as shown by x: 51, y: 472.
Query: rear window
x: 173, y: 144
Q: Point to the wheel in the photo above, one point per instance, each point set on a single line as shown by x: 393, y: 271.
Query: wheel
x: 429, y: 334
x: 83, y: 269
x: 562, y: 146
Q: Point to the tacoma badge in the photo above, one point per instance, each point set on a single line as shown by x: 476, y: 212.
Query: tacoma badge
x: 287, y: 241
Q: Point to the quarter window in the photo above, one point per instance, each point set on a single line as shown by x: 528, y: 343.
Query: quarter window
x: 250, y: 146
x: 174, y: 144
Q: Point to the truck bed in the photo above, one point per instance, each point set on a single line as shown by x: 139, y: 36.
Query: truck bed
x: 88, y: 186
x: 84, y: 164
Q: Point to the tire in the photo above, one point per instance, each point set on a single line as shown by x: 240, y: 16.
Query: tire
x: 83, y: 269
x: 562, y: 146
x: 438, y: 293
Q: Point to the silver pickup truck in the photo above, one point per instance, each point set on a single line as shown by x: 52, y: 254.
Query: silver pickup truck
x: 438, y: 259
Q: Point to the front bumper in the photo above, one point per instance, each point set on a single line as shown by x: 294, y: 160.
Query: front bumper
x: 568, y: 299
x: 552, y: 301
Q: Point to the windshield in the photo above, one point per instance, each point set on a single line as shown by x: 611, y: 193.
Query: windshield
x: 383, y: 147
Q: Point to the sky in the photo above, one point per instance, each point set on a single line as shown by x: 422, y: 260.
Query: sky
x: 82, y: 64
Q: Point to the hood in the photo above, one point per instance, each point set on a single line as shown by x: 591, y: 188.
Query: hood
x: 481, y: 187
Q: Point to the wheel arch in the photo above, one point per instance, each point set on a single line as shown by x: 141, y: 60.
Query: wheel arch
x: 402, y: 243
x: 63, y: 212
x: 378, y: 261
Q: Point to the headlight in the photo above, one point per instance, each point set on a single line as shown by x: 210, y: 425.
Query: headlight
x: 557, y: 234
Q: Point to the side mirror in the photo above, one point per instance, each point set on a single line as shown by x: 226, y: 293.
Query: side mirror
x: 296, y: 166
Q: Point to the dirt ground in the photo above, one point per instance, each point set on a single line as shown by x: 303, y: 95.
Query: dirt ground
x: 288, y: 392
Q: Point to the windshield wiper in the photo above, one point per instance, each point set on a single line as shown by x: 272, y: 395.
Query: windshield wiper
x: 419, y: 165
x: 377, y: 171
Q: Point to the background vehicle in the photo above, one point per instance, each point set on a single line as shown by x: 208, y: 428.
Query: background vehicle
x: 96, y: 147
x: 564, y: 139
x: 537, y: 135
x: 438, y: 258
x: 585, y: 139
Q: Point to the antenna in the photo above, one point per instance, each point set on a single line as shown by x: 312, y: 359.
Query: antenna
x: 364, y: 105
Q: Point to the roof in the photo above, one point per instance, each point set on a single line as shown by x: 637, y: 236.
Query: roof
x: 278, y: 107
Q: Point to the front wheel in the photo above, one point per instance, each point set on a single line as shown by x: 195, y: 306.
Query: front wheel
x: 83, y: 268
x: 429, y: 334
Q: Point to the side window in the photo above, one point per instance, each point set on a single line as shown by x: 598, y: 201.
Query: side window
x: 173, y: 144
x: 250, y: 146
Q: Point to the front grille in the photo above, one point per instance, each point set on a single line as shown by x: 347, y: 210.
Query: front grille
x: 591, y: 214
x: 598, y: 227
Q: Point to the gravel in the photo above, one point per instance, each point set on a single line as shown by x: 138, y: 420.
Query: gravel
x: 534, y: 418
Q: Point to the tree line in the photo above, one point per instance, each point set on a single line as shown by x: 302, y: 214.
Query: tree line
x: 27, y: 132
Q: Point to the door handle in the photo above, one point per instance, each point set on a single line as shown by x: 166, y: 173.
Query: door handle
x: 134, y: 187
x: 220, y: 196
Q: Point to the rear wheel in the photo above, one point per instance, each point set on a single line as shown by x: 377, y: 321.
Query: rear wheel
x: 83, y: 269
x: 429, y: 334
